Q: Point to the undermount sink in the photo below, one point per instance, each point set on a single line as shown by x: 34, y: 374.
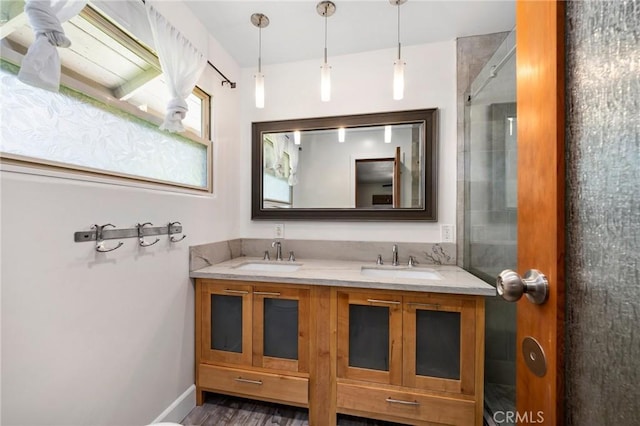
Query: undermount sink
x: 400, y: 272
x: 269, y: 266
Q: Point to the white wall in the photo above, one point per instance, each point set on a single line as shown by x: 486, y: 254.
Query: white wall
x: 361, y: 83
x: 326, y: 168
x: 106, y: 339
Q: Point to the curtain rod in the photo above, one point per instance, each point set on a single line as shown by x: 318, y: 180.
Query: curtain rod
x: 225, y: 80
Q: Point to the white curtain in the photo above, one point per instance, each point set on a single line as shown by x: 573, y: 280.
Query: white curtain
x: 293, y: 151
x: 182, y: 65
x: 41, y: 65
x: 279, y: 147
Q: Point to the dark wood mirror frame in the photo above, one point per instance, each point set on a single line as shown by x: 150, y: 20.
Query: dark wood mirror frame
x: 429, y: 210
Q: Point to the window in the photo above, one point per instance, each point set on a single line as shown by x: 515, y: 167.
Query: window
x: 105, y: 117
x: 276, y: 166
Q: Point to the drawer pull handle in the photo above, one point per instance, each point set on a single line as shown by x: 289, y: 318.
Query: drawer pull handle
x: 426, y: 305
x: 253, y: 382
x: 226, y: 290
x: 399, y: 401
x: 388, y: 302
x: 267, y: 293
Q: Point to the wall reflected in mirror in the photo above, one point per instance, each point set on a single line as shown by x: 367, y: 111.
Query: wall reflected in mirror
x: 374, y: 167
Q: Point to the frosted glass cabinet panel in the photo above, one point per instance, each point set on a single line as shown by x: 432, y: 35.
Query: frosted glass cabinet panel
x: 281, y: 328
x: 226, y: 323
x: 369, y: 337
x: 438, y: 344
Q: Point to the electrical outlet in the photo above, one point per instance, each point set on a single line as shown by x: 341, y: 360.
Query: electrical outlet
x: 278, y: 230
x: 447, y: 233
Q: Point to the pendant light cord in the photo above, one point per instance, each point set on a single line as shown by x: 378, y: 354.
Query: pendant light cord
x: 398, y: 6
x: 326, y: 10
x: 260, y: 46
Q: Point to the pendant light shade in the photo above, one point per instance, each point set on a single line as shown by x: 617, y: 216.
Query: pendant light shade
x: 259, y: 90
x: 398, y: 65
x: 325, y: 83
x: 325, y: 9
x: 261, y: 21
x: 398, y: 80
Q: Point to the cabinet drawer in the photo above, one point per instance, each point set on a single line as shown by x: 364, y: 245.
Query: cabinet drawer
x: 390, y: 404
x: 269, y: 387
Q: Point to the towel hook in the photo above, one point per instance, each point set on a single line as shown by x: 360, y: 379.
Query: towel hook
x: 141, y: 237
x: 100, y: 241
x: 171, y: 238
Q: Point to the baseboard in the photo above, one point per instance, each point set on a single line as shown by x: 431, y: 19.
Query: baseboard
x: 179, y: 408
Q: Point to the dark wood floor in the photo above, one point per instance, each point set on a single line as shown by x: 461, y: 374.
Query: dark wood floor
x: 226, y: 410
x: 219, y: 410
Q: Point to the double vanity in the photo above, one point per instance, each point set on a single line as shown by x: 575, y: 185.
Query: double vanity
x: 398, y: 343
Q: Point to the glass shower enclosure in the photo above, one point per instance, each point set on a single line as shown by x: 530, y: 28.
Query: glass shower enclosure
x: 490, y: 212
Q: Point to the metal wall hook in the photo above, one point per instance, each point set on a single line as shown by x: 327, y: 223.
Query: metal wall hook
x: 171, y: 238
x: 141, y: 237
x: 100, y: 241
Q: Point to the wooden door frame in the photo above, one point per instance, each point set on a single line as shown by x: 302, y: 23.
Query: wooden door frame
x: 541, y: 200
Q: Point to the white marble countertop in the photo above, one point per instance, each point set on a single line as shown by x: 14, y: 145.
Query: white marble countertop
x: 449, y: 279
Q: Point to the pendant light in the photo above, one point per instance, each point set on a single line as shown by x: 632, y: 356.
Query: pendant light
x: 261, y: 21
x: 398, y: 65
x: 387, y: 134
x: 325, y: 9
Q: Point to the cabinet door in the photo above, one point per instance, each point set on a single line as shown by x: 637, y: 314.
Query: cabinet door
x: 439, y: 336
x: 281, y: 328
x: 370, y: 337
x: 226, y: 322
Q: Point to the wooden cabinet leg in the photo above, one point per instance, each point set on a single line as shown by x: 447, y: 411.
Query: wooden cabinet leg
x: 322, y: 382
x: 199, y: 396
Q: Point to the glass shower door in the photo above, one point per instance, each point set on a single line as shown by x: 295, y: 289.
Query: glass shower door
x: 490, y: 242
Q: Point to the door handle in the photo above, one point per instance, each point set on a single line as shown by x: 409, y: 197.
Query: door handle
x: 387, y: 302
x: 267, y: 293
x: 226, y: 290
x: 400, y: 401
x: 534, y: 285
x: 251, y: 382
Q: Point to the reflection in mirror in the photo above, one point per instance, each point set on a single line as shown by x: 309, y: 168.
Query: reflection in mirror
x: 372, y: 166
x: 374, y: 183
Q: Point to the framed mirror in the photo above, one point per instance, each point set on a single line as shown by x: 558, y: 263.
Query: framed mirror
x: 379, y: 166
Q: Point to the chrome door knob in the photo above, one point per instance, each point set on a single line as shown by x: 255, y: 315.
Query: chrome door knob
x: 534, y: 285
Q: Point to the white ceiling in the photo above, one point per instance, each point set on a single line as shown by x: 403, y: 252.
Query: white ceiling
x: 296, y: 31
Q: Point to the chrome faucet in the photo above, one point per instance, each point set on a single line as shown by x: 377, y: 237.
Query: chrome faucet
x: 278, y: 246
x: 394, y: 259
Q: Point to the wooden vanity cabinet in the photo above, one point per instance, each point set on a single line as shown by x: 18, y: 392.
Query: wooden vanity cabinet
x: 410, y: 358
x: 252, y: 340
